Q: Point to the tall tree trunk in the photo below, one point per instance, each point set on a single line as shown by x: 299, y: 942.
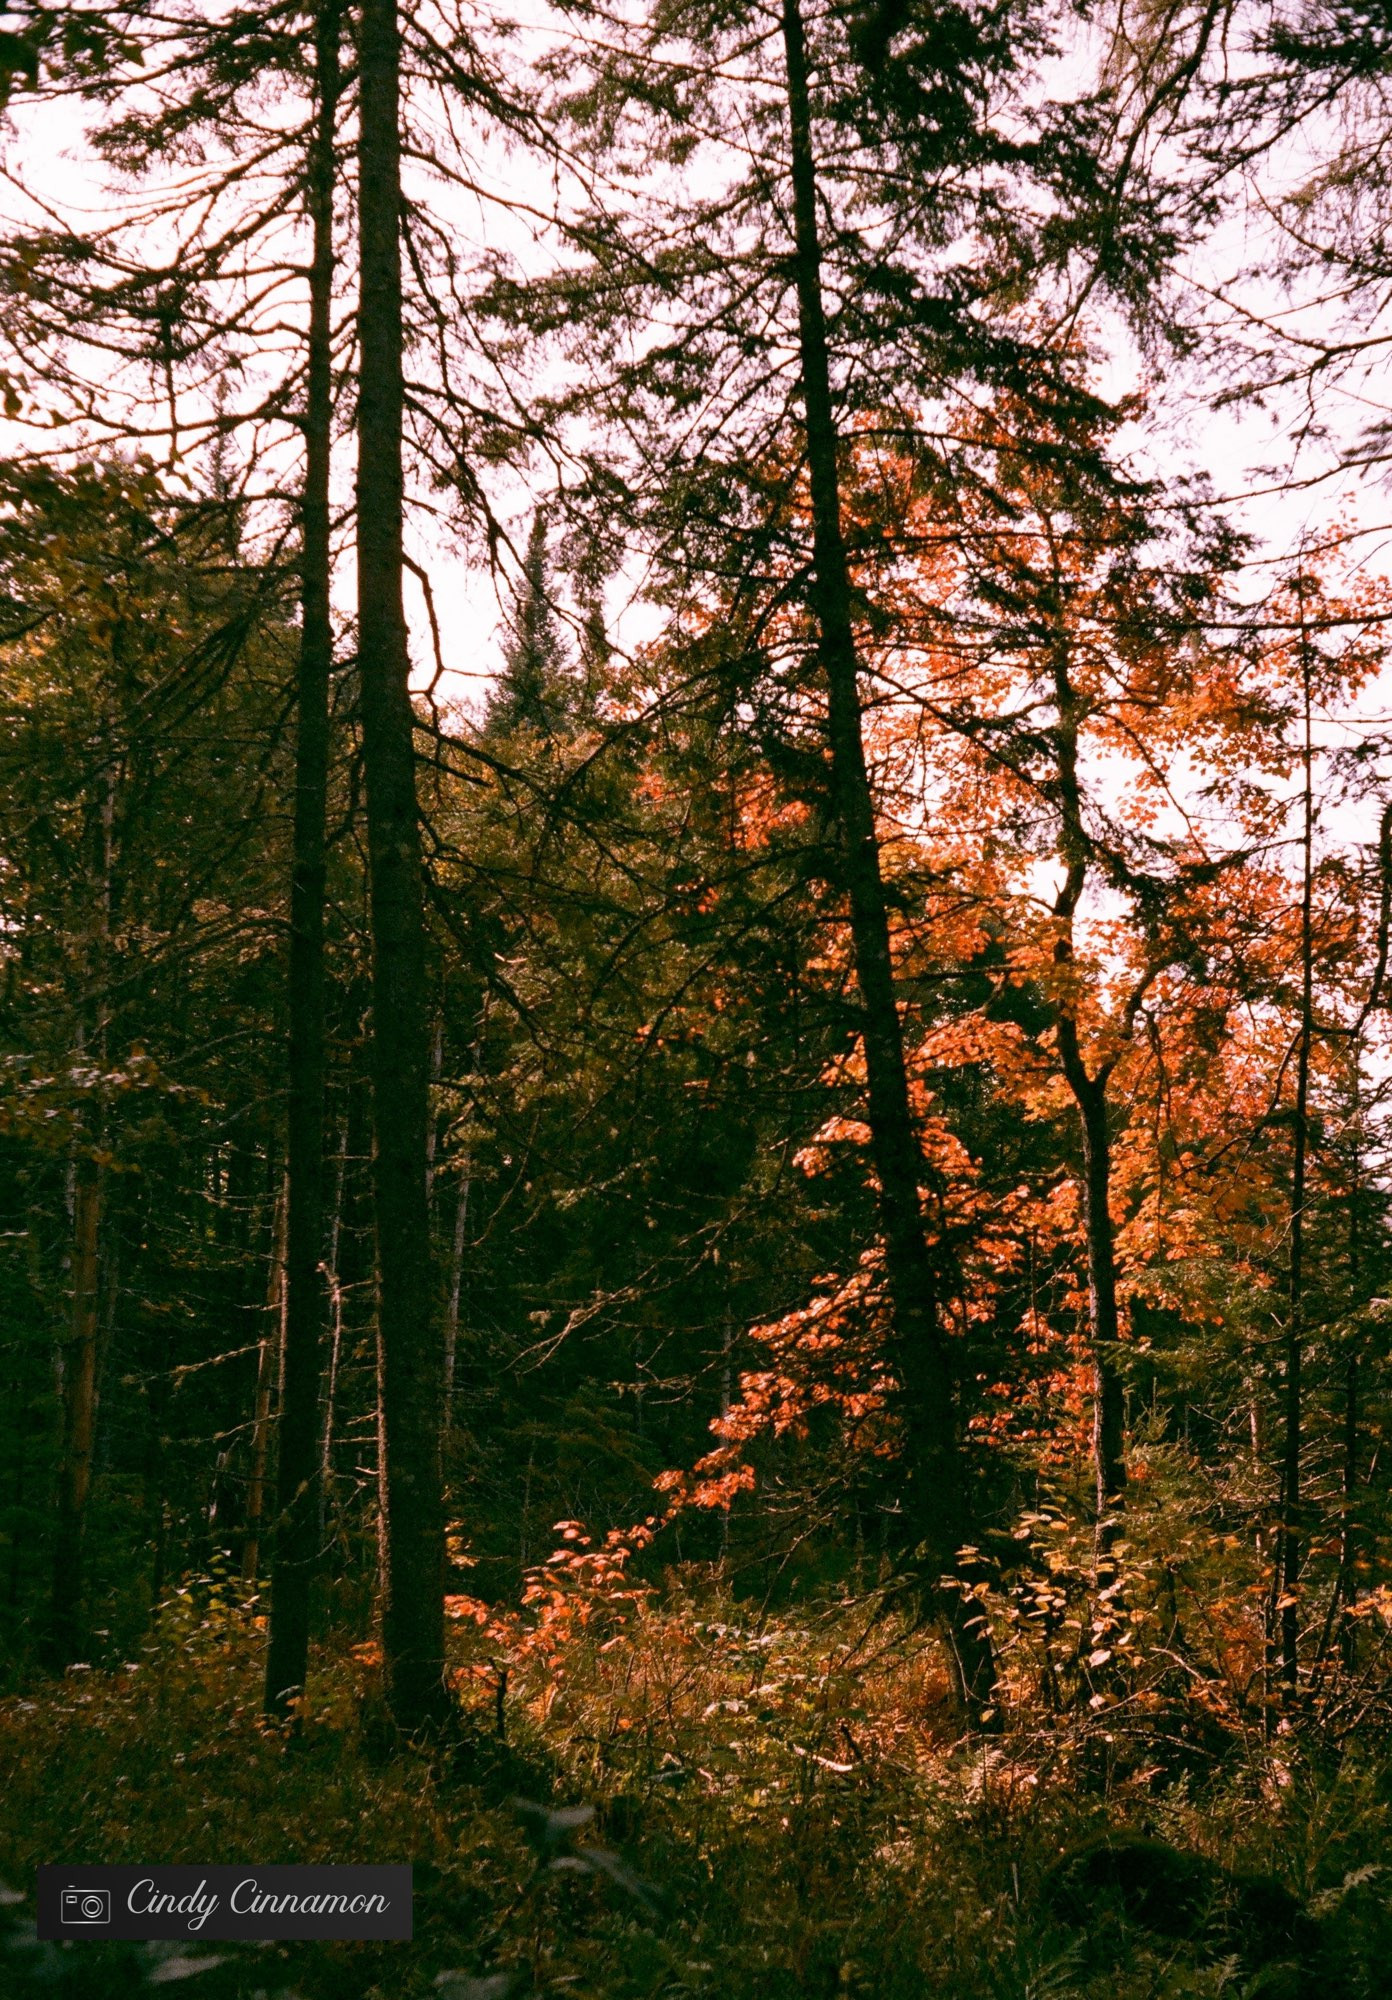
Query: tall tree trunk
x: 18, y: 1405
x: 269, y: 1365
x: 432, y: 1122
x: 1089, y: 1092
x: 1290, y: 1548
x: 156, y: 1507
x: 1339, y: 1614
x: 334, y: 1281
x: 67, y: 1620
x: 297, y: 1480
x: 460, y: 1242
x: 937, y: 1498
x: 79, y: 1361
x: 1108, y: 1399
x: 456, y: 1280
x: 410, y: 1347
x: 1347, y: 1586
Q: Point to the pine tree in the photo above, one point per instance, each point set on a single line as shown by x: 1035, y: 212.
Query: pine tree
x: 533, y: 691
x: 411, y: 1355
x: 297, y: 1471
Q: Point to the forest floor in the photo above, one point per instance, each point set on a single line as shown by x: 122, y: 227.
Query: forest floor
x: 780, y: 1808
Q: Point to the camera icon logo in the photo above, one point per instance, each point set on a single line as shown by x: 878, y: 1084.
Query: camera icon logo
x: 84, y: 1906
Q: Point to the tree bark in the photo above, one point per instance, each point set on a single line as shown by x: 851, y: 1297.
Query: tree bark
x: 456, y: 1281
x: 409, y: 1343
x: 1089, y: 1091
x: 156, y: 1508
x: 297, y: 1494
x: 334, y: 1281
x: 1290, y: 1546
x: 1347, y: 1586
x: 271, y: 1352
x: 937, y: 1499
x: 67, y: 1620
x: 1108, y: 1398
x: 18, y: 1403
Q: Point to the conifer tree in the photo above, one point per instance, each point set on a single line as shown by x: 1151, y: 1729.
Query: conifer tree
x: 531, y: 692
x: 410, y: 1324
x: 298, y: 1465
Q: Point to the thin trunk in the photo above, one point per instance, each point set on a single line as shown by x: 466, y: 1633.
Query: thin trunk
x: 78, y: 1364
x: 526, y: 1508
x: 1290, y: 1559
x: 67, y: 1624
x: 335, y: 1289
x: 1348, y: 1536
x: 159, y: 1558
x: 1090, y: 1095
x: 727, y: 1385
x: 18, y: 1404
x: 1108, y: 1400
x: 461, y: 1229
x: 937, y: 1498
x: 297, y: 1495
x: 410, y: 1344
x: 1345, y: 1589
x: 456, y: 1280
x: 432, y: 1132
x: 267, y: 1368
x: 1259, y: 1534
x: 1108, y: 1410
x: 155, y: 1505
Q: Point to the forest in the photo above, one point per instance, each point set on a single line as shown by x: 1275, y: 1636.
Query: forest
x: 695, y: 1008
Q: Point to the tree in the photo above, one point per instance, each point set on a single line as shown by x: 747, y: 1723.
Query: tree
x: 1303, y: 121
x: 919, y: 1353
x: 808, y: 293
x: 155, y: 328
x: 410, y: 1336
x: 531, y: 691
x: 298, y: 1463
x: 139, y: 872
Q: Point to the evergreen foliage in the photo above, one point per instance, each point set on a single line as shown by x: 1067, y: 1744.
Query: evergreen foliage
x: 532, y: 692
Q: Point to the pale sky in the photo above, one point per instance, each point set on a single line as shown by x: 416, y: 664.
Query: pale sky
x: 44, y: 148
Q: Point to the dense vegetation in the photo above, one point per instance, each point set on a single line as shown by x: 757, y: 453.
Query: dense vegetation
x: 720, y: 1266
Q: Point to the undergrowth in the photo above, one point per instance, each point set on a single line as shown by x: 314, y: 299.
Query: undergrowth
x: 781, y: 1808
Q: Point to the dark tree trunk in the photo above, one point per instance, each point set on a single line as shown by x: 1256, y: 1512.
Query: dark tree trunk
x: 18, y: 1404
x: 1290, y: 1546
x: 937, y: 1500
x: 1347, y: 1587
x: 334, y: 1280
x: 1341, y: 1598
x: 156, y: 1505
x: 1090, y: 1095
x: 269, y: 1362
x: 67, y: 1623
x: 297, y: 1492
x: 410, y: 1346
x: 456, y: 1282
x: 1108, y: 1401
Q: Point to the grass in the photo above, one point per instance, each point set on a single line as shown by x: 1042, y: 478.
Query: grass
x: 789, y: 1809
